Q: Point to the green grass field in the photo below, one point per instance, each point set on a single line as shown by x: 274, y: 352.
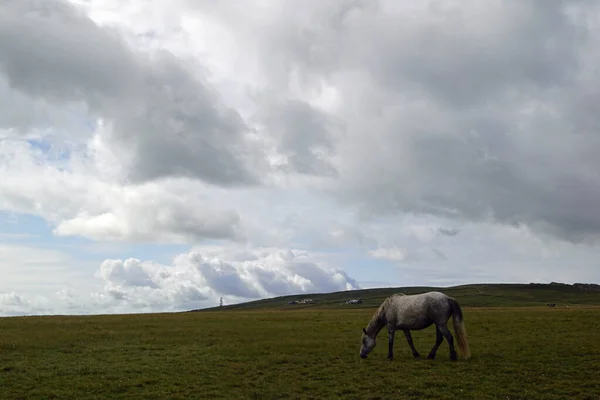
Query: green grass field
x: 518, y: 353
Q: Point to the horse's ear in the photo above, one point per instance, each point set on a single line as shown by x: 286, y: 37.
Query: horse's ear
x: 364, y: 331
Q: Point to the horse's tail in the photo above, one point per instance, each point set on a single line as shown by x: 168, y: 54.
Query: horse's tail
x: 459, y: 329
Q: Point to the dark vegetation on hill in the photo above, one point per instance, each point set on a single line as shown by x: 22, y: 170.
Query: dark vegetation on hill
x: 476, y: 295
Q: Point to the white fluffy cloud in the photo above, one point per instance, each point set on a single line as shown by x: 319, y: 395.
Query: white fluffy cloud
x: 194, y: 279
x: 406, y: 133
x: 81, y: 203
x: 236, y: 275
x: 392, y: 254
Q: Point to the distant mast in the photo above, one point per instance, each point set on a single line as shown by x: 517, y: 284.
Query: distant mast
x: 221, y: 302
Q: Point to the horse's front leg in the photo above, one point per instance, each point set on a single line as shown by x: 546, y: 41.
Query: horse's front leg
x: 410, y: 343
x: 391, y: 332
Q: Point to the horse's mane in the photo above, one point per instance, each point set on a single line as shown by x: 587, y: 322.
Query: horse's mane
x: 378, y: 318
x: 377, y: 314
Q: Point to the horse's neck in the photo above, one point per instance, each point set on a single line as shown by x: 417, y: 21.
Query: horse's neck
x: 376, y: 325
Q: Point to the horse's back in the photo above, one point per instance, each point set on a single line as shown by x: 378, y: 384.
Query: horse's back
x: 420, y: 310
x: 437, y: 302
x: 433, y: 296
x: 419, y: 297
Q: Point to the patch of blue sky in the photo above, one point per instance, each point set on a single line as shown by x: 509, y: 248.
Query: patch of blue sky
x: 34, y: 231
x: 87, y: 249
x: 48, y: 150
x: 22, y: 227
x: 41, y: 144
x: 353, y: 259
x: 362, y: 267
x: 51, y: 148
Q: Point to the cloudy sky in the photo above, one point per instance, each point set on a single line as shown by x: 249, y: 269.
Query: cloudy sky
x: 157, y: 155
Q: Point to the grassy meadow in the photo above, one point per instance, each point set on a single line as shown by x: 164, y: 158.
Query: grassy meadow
x: 518, y: 353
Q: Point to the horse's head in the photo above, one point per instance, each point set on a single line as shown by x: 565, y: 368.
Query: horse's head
x: 368, y: 343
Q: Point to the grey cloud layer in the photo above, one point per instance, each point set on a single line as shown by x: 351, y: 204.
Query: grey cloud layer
x: 303, y: 134
x: 459, y: 109
x: 166, y: 121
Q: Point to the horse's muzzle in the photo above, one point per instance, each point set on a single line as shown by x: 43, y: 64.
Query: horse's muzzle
x: 363, y: 356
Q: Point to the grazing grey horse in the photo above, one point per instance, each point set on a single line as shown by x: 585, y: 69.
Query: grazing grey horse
x: 416, y: 312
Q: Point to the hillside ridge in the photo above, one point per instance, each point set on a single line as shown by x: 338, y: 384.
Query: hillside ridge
x: 470, y: 295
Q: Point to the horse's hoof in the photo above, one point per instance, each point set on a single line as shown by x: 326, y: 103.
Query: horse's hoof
x: 417, y: 355
x: 431, y: 357
x: 390, y: 358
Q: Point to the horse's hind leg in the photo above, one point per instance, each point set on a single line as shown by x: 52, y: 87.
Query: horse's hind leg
x: 410, y: 343
x: 449, y: 339
x: 439, y: 338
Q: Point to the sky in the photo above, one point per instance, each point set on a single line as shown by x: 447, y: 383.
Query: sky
x: 161, y: 155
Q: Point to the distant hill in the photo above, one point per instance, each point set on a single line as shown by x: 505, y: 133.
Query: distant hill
x: 476, y: 295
